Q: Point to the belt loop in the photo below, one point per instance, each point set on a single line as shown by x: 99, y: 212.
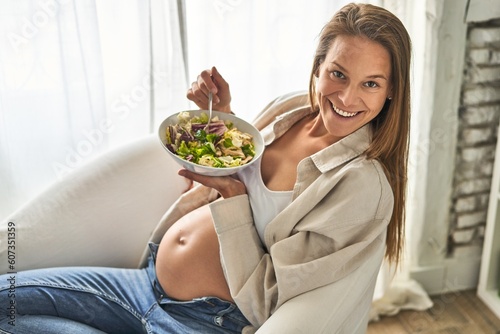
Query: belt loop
x: 158, y: 292
x: 153, y: 249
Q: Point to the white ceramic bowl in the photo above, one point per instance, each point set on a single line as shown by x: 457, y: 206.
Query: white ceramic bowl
x: 242, y: 126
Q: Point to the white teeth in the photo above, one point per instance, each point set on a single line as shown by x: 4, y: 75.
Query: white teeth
x: 342, y: 112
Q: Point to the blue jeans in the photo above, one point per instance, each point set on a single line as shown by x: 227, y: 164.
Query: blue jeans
x: 110, y: 300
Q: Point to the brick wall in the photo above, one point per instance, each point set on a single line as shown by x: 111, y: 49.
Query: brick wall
x: 479, y: 115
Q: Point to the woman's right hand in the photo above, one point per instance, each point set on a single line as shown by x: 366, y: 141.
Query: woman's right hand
x: 210, y: 80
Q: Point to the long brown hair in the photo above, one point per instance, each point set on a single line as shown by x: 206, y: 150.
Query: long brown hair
x: 392, y: 126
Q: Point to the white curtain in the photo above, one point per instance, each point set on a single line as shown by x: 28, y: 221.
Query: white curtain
x: 78, y: 77
x: 51, y: 89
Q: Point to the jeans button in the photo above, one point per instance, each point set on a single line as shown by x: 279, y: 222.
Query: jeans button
x: 218, y: 320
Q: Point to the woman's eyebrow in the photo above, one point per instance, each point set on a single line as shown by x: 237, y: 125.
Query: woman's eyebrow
x: 377, y: 76
x: 373, y: 76
x: 340, y: 66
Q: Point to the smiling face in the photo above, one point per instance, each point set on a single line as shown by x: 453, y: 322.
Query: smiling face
x: 353, y: 84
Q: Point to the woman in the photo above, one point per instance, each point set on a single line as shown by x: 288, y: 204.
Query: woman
x: 327, y: 196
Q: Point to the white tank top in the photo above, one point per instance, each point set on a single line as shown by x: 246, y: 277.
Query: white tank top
x: 265, y: 203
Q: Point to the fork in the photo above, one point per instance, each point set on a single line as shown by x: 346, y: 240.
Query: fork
x: 209, y: 110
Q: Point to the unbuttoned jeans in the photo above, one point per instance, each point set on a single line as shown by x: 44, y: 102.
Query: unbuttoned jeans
x: 82, y: 299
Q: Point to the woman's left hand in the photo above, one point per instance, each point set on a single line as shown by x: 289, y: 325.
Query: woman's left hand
x: 227, y: 186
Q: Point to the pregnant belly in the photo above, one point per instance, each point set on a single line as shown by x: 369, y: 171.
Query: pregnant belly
x: 188, y: 260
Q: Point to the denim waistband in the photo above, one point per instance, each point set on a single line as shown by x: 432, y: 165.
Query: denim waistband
x: 214, y: 310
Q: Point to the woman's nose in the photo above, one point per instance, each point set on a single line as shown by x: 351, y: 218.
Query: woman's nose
x: 348, y: 95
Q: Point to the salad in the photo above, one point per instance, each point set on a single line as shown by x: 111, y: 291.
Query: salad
x: 221, y: 145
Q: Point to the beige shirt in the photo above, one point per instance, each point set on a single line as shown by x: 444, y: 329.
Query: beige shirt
x: 337, y: 221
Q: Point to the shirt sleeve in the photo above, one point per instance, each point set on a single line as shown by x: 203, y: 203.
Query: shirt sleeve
x: 344, y: 228
x: 237, y: 234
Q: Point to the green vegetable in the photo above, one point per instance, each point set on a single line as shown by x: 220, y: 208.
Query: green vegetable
x: 226, y: 147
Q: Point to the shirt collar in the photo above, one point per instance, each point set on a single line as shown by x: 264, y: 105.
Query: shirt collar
x: 346, y: 149
x: 283, y: 122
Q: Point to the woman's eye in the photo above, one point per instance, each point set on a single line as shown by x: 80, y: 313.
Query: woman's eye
x: 371, y: 84
x: 338, y: 74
